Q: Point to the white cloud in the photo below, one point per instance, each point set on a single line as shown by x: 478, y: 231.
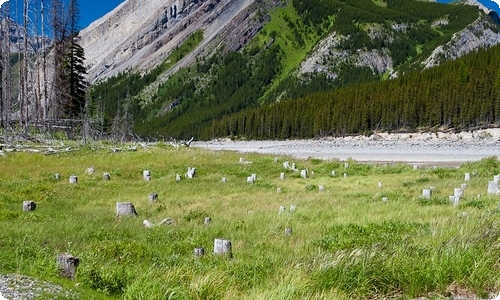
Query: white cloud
x: 496, y: 1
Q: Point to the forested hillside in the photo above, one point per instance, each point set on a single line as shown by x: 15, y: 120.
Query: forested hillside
x: 222, y: 94
x: 461, y: 95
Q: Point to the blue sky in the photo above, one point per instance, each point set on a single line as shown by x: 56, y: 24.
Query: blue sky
x: 91, y: 10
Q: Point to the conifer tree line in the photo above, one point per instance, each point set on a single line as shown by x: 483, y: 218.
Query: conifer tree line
x: 460, y: 95
x: 42, y: 65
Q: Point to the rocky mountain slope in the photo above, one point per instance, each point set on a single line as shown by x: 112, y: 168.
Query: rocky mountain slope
x: 141, y: 33
x: 246, y: 53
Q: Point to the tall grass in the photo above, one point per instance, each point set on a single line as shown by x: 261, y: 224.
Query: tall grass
x: 346, y: 242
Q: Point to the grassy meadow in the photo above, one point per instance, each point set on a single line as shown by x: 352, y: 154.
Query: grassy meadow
x: 346, y: 243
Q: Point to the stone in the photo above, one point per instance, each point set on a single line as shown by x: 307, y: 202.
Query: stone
x: 250, y: 179
x: 147, y: 224
x: 106, y: 176
x: 208, y: 220
x: 57, y: 176
x: 224, y: 179
x: 303, y: 174
x: 281, y: 209
x: 191, y: 172
x: 426, y: 193
x: 288, y: 231
x: 146, y: 175
x: 467, y: 177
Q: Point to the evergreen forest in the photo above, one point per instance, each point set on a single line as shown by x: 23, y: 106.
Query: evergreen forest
x: 256, y: 93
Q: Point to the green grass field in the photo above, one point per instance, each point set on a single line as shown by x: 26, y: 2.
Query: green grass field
x: 346, y: 243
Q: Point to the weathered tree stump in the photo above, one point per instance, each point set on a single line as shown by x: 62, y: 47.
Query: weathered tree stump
x: 90, y: 170
x: 199, y: 251
x: 29, y: 205
x: 73, y: 179
x: 125, y: 209
x: 223, y: 247
x: 426, y: 193
x: 106, y: 176
x: 492, y: 187
x: 191, y: 172
x: 146, y: 175
x: 467, y: 177
x: 147, y: 224
x: 208, y: 220
x: 67, y: 265
x: 152, y: 197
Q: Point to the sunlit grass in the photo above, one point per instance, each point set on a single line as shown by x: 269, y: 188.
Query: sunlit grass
x: 345, y: 243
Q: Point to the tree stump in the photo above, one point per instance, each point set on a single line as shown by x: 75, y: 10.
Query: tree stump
x: 125, y: 209
x: 492, y: 187
x: 467, y: 177
x: 146, y: 175
x: 106, y: 176
x: 426, y: 193
x: 191, y: 172
x: 90, y: 170
x: 73, y: 179
x: 199, y: 251
x: 67, y: 265
x: 223, y: 247
x: 152, y: 197
x: 29, y: 205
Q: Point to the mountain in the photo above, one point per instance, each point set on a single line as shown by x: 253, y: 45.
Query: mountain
x: 172, y: 68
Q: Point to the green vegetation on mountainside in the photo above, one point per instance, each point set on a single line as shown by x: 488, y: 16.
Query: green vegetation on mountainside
x: 460, y: 94
x: 189, y: 102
